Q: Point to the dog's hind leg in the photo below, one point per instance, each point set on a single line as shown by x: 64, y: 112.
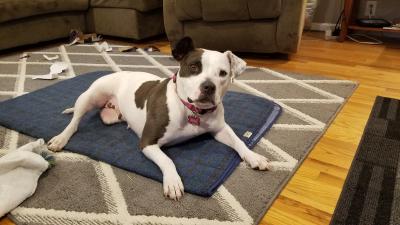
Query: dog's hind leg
x: 82, y: 105
x: 95, y: 97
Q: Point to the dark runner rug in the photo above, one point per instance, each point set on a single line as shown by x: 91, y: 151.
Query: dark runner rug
x: 371, y: 193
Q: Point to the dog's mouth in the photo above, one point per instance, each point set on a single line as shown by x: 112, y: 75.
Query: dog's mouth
x: 203, y: 101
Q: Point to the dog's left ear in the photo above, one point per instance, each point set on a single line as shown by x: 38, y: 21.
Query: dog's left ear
x: 182, y: 48
x: 238, y: 65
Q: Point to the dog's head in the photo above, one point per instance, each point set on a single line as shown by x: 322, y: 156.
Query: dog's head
x: 204, y: 75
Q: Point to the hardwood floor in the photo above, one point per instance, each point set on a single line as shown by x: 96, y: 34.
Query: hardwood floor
x: 311, y: 195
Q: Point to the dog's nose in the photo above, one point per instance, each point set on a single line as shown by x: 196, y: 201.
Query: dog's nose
x: 207, y: 87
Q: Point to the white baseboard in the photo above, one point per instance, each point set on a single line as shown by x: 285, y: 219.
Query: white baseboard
x: 322, y: 26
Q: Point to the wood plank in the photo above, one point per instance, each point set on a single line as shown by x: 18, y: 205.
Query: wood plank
x: 6, y: 221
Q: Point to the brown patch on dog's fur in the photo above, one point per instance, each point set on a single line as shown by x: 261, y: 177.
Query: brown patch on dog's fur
x: 157, y: 118
x: 143, y: 92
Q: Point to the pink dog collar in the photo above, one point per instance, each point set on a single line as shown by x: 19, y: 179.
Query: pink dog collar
x: 174, y: 77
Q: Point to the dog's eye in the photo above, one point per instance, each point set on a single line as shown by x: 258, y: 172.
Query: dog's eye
x: 222, y: 73
x: 194, y: 68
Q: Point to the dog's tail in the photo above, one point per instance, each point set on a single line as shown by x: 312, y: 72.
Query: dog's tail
x: 68, y: 111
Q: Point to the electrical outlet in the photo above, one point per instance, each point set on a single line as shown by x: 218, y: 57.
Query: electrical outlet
x: 370, y: 8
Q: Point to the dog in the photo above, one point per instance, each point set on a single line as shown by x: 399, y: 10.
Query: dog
x: 168, y: 111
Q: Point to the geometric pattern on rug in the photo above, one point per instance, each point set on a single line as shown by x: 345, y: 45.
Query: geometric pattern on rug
x: 108, y: 195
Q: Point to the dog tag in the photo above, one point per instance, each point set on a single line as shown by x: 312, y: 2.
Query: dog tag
x: 195, y: 120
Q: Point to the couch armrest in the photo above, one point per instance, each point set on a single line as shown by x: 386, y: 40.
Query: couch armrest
x: 173, y: 27
x: 290, y: 25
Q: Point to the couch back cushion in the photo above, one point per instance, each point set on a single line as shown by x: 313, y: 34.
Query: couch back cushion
x: 227, y: 10
x: 17, y: 9
x: 140, y: 5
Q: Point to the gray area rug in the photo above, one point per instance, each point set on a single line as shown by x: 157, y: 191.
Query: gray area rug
x: 81, y: 190
x: 371, y: 193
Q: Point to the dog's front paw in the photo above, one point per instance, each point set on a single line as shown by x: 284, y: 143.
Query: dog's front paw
x: 57, y: 143
x: 173, y: 186
x: 256, y: 161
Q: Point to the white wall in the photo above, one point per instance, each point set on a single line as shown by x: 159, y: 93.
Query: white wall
x: 328, y: 11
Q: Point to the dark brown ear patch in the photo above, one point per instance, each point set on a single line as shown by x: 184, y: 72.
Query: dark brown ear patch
x: 182, y: 48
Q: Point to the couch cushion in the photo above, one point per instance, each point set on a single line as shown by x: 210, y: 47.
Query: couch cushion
x: 264, y: 9
x: 13, y: 9
x: 223, y: 10
x: 141, y: 5
x: 188, y: 9
x: 227, y: 10
x: 136, y: 25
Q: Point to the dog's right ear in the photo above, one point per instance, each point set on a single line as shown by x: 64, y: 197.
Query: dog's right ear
x: 182, y: 48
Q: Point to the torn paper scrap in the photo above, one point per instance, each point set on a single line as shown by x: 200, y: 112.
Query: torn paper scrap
x: 127, y: 49
x: 58, y: 67
x: 50, y: 58
x: 25, y: 55
x: 77, y: 36
x: 152, y: 48
x: 96, y: 38
x: 45, y: 77
x: 103, y: 47
x: 55, y: 69
x: 74, y: 41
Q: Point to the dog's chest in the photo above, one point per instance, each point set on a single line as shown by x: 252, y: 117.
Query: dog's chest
x: 176, y: 133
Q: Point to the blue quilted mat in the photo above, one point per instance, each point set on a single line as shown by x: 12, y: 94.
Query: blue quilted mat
x: 203, y: 163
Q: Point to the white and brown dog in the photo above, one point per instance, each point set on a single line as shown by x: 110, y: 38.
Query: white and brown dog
x: 168, y: 111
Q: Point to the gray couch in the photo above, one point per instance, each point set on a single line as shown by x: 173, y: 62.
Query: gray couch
x: 262, y: 26
x: 31, y: 21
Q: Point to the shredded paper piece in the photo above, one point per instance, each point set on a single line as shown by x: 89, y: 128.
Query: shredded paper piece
x: 73, y: 42
x: 49, y: 58
x: 55, y: 69
x: 77, y: 36
x: 25, y: 55
x: 128, y: 49
x: 152, y: 48
x: 103, y: 47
